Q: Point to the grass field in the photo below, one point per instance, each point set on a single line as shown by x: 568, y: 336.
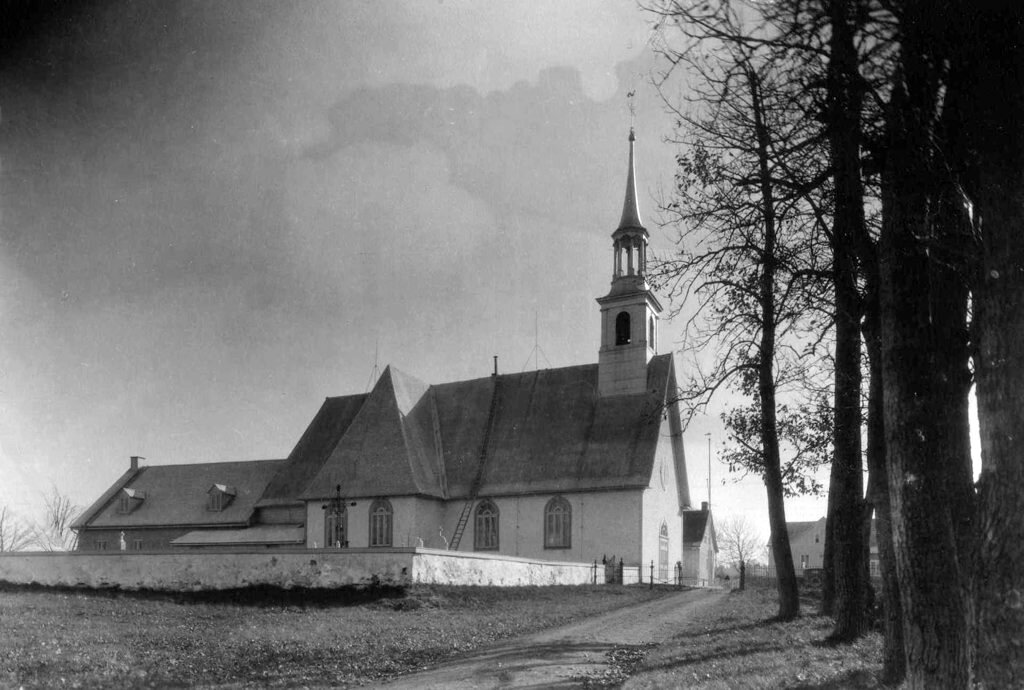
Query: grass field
x: 75, y: 639
x: 735, y: 644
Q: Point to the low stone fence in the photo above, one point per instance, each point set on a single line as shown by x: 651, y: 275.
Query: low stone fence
x: 197, y: 570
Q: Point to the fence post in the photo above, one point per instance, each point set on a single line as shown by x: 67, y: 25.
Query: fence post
x: 619, y: 578
x: 652, y: 575
x: 595, y: 571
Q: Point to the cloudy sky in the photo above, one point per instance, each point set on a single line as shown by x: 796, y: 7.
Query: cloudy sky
x: 214, y: 214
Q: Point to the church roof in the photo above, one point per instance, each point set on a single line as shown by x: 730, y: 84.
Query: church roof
x: 550, y: 432
x: 177, y: 495
x: 313, y: 449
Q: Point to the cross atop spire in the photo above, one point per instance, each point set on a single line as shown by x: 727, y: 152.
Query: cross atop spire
x: 630, y: 207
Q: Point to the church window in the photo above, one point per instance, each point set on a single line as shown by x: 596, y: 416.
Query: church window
x: 650, y: 335
x: 381, y: 522
x: 663, y: 553
x: 335, y: 523
x: 558, y: 524
x: 485, y: 536
x: 622, y: 328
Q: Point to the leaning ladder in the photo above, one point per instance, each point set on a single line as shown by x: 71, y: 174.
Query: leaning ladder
x: 474, y: 489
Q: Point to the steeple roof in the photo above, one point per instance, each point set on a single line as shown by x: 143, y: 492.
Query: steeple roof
x: 630, y: 208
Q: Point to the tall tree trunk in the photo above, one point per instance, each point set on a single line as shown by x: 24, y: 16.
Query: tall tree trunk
x: 893, y: 662
x: 923, y: 311
x: 846, y: 484
x: 992, y: 77
x: 789, y: 599
x: 828, y: 568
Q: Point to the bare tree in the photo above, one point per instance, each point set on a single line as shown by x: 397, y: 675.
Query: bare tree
x: 15, y: 534
x: 754, y: 261
x: 739, y: 540
x: 55, y: 533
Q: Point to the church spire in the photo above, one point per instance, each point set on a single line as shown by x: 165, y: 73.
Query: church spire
x: 630, y: 207
x: 630, y: 311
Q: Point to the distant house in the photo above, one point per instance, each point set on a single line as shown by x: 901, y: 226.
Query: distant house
x: 807, y: 542
x: 700, y: 545
x: 567, y: 464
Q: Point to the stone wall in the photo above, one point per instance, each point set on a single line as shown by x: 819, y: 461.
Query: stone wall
x: 288, y: 568
x: 454, y: 567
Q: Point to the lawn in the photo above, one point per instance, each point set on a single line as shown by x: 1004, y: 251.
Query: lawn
x: 53, y: 638
x: 735, y: 644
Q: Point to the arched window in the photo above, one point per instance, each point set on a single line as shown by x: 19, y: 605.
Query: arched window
x: 622, y: 328
x: 558, y: 524
x: 651, y: 342
x: 663, y: 553
x: 485, y: 536
x: 380, y: 522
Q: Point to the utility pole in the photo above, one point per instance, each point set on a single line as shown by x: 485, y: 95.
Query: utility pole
x: 709, y: 469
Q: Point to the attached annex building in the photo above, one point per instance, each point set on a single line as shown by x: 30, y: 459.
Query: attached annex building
x: 570, y: 464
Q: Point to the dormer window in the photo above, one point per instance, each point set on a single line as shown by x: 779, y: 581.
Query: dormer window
x: 129, y: 500
x: 219, y: 497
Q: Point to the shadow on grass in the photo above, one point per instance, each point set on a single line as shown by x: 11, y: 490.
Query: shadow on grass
x: 856, y: 678
x: 722, y: 629
x: 256, y: 596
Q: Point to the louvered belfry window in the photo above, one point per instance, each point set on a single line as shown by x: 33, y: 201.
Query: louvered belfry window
x: 485, y: 536
x: 558, y: 524
x: 622, y: 329
x: 381, y: 515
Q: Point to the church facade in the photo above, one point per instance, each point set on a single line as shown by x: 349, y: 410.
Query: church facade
x: 571, y: 464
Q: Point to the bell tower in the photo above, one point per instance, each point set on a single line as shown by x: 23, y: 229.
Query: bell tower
x: 630, y: 311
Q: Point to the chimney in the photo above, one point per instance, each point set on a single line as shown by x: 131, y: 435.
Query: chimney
x: 135, y: 462
x: 704, y: 506
x: 495, y: 366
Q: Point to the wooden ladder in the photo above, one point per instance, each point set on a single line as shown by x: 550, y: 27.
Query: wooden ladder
x: 474, y: 489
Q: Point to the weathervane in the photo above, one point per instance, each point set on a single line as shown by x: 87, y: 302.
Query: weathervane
x: 631, y: 104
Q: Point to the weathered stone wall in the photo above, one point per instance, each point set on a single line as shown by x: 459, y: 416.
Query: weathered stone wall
x: 287, y: 568
x: 456, y: 567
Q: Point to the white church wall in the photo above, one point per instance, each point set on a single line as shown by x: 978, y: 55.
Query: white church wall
x: 603, y: 524
x: 418, y: 519
x: 661, y: 504
x: 314, y: 524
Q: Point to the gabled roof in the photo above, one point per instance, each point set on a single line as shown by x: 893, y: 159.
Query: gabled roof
x: 176, y: 495
x: 387, y: 449
x: 799, y: 530
x: 313, y: 449
x: 696, y: 524
x: 550, y: 432
x: 105, y: 498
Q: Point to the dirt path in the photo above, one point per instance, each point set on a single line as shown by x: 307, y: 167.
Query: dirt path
x: 552, y: 658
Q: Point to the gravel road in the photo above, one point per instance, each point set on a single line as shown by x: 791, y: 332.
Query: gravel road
x: 560, y: 657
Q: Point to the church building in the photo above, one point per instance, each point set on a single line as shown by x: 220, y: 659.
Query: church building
x: 571, y: 464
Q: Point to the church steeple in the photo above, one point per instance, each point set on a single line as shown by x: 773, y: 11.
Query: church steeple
x: 630, y: 208
x: 630, y: 238
x: 629, y: 312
